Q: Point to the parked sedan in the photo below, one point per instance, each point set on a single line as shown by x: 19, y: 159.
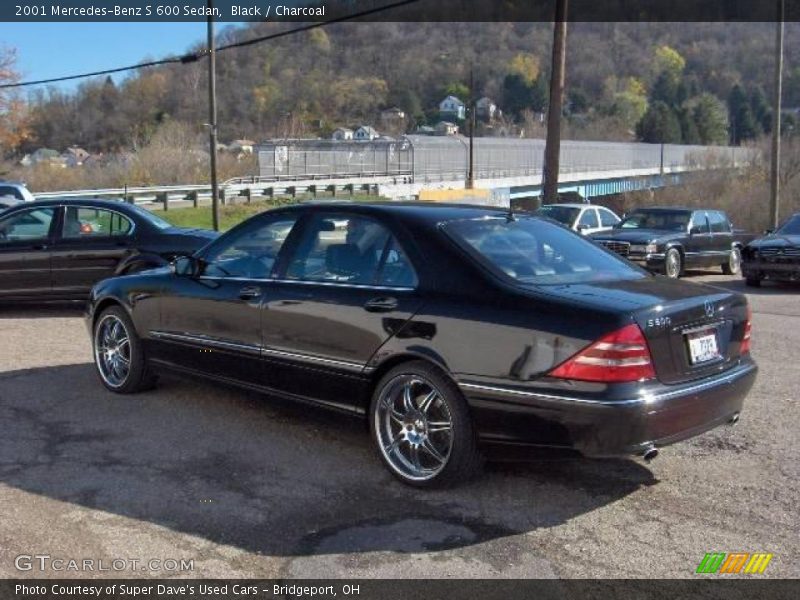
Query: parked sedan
x: 584, y: 218
x: 775, y: 256
x: 448, y: 328
x: 58, y: 249
x: 669, y: 239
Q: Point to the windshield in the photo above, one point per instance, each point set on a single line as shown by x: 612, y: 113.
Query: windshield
x: 151, y: 218
x: 533, y: 251
x: 791, y: 227
x: 562, y: 214
x: 666, y: 220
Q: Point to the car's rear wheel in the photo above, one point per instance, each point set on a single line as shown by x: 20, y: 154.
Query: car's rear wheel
x: 118, y: 354
x: 422, y: 427
x: 734, y: 264
x: 673, y: 263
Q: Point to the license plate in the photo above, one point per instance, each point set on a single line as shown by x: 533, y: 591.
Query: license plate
x: 703, y: 346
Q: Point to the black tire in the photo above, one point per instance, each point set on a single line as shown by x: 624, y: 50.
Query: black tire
x: 463, y: 460
x: 137, y: 377
x: 673, y: 263
x: 734, y: 264
x: 753, y: 281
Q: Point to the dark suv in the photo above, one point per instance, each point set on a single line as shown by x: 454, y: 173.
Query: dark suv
x: 667, y: 240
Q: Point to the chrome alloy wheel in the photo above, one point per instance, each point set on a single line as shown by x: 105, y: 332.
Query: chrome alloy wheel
x: 414, y: 427
x: 735, y: 261
x: 673, y: 264
x: 112, y: 351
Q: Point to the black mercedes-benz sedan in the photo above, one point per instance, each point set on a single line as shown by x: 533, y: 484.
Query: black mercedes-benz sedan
x: 669, y: 239
x: 775, y: 256
x: 449, y: 328
x: 58, y: 249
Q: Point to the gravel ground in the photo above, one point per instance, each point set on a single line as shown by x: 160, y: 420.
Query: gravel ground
x: 247, y: 487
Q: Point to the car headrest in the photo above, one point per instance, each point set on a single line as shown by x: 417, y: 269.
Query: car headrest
x: 346, y: 260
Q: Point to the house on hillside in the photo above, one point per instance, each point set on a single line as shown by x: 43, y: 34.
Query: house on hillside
x: 452, y: 107
x: 485, y: 109
x: 74, y: 156
x: 241, y: 146
x: 446, y: 128
x: 424, y: 130
x: 342, y: 134
x: 393, y: 115
x: 365, y: 133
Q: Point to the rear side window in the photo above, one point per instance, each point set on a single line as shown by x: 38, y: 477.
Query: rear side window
x: 588, y: 219
x: 531, y: 251
x: 87, y: 222
x: 699, y: 223
x: 350, y: 249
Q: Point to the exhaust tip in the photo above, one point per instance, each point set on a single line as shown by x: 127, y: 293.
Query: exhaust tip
x: 650, y: 453
x: 734, y: 419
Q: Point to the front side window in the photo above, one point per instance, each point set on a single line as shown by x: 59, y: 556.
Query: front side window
x: 531, y: 251
x: 562, y: 214
x: 350, y: 249
x: 699, y: 223
x: 87, y: 222
x: 607, y: 218
x: 26, y: 225
x: 249, y: 252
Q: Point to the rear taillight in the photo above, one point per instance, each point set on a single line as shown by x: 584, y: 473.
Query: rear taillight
x: 619, y: 356
x: 745, y: 347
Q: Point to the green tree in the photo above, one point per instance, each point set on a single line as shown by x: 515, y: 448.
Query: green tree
x: 711, y: 120
x: 689, y: 132
x: 761, y: 109
x: 659, y: 125
x: 742, y: 123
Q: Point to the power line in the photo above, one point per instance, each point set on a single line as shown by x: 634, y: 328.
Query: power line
x: 195, y: 56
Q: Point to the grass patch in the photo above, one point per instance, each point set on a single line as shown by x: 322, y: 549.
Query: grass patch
x: 233, y: 214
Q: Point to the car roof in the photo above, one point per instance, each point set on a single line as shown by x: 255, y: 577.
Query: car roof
x: 573, y: 205
x: 98, y: 202
x: 427, y: 211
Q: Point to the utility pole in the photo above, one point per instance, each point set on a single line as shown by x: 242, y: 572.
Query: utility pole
x: 471, y: 172
x: 552, y: 147
x: 212, y: 115
x: 774, y: 197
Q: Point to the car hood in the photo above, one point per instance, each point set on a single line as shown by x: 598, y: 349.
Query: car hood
x: 776, y: 240
x: 636, y: 236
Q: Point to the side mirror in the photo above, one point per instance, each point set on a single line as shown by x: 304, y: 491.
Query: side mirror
x: 581, y: 227
x: 185, y: 266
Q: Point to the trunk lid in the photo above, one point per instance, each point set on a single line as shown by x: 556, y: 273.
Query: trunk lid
x: 669, y: 313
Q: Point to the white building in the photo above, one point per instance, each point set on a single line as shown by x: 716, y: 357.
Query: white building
x: 342, y: 133
x: 365, y: 132
x: 452, y: 107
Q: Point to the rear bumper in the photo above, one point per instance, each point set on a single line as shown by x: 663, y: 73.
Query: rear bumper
x: 660, y: 416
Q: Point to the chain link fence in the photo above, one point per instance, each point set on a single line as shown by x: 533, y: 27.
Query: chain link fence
x: 446, y: 158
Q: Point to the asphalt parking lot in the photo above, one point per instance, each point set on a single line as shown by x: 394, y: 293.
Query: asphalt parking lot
x: 248, y: 487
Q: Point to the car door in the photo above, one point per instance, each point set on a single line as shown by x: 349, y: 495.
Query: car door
x: 211, y: 322
x: 698, y: 243
x: 346, y: 287
x: 90, y: 245
x: 721, y: 236
x: 588, y: 222
x: 25, y: 254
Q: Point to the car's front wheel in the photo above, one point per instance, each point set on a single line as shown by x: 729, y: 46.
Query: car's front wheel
x: 118, y: 354
x: 422, y: 427
x: 734, y: 264
x: 673, y: 263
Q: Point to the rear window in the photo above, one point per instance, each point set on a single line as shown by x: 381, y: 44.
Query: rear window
x: 666, y: 220
x: 532, y: 251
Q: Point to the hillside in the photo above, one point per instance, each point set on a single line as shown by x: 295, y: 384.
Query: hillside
x: 657, y: 79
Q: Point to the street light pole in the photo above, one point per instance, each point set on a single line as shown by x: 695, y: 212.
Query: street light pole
x: 552, y: 147
x: 212, y: 116
x: 774, y: 197
x: 471, y: 172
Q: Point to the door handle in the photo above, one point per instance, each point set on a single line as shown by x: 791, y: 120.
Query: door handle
x: 250, y: 292
x: 381, y: 304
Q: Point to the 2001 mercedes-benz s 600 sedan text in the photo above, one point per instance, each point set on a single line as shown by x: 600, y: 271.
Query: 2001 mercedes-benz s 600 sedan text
x: 448, y: 327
